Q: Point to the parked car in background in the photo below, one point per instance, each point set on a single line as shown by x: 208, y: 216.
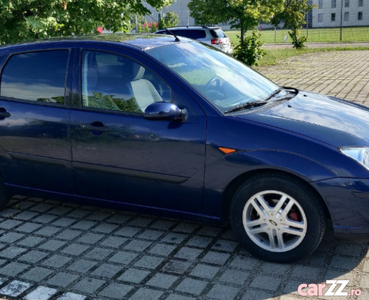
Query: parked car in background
x: 214, y: 36
x: 171, y: 126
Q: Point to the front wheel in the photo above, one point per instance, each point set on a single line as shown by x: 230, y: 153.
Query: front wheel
x: 276, y: 218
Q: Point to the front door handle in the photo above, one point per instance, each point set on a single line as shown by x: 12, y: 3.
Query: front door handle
x: 3, y: 113
x: 95, y: 126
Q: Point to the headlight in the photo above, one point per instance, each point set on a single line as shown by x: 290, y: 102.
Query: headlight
x: 360, y: 154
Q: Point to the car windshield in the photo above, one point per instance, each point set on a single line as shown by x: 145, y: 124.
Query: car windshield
x: 224, y: 81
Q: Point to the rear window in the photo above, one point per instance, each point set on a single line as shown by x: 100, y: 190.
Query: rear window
x: 36, y: 76
x: 218, y: 33
x: 190, y: 33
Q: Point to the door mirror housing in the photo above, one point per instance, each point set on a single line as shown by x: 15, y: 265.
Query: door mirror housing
x: 163, y: 111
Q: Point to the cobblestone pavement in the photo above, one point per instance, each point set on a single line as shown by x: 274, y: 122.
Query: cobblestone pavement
x: 63, y: 251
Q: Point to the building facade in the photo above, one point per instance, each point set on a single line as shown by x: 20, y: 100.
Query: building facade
x: 334, y: 13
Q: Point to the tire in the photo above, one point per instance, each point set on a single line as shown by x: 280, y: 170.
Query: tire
x: 277, y: 218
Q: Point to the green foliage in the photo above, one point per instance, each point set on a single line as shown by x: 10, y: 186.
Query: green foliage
x: 171, y: 19
x: 30, y: 19
x: 250, y: 51
x: 153, y: 27
x: 293, y: 16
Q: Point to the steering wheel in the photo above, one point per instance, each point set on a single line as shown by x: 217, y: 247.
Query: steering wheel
x: 213, y: 80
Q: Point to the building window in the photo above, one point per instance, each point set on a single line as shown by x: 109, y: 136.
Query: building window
x: 333, y: 17
x: 334, y: 3
x: 347, y: 3
x: 360, y: 2
x: 320, y: 18
x: 346, y: 16
x: 360, y: 15
x: 320, y: 3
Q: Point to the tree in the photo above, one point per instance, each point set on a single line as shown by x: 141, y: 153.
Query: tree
x: 293, y: 17
x: 30, y: 19
x: 171, y: 19
x: 241, y: 14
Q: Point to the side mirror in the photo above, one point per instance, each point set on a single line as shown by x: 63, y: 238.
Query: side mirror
x: 163, y: 111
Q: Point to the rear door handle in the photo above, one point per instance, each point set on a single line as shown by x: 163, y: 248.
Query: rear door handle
x: 95, y: 126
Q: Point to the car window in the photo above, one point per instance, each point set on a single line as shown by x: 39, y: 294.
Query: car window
x: 190, y: 33
x: 117, y: 83
x: 36, y: 76
x: 218, y: 33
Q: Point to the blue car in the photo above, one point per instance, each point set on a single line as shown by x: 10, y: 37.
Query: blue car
x: 167, y: 125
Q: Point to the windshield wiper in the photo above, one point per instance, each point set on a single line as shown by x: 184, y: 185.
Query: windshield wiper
x: 245, y: 106
x: 276, y: 92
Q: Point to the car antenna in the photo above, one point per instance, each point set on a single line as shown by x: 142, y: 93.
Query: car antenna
x: 170, y: 32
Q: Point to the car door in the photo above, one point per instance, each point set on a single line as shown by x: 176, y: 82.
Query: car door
x: 35, y: 151
x: 119, y: 155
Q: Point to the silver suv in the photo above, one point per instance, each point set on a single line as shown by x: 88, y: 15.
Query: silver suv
x: 213, y: 36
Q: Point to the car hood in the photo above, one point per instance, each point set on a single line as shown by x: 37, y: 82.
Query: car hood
x: 330, y: 120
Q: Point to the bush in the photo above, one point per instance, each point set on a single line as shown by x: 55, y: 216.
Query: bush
x: 250, y: 51
x: 298, y: 42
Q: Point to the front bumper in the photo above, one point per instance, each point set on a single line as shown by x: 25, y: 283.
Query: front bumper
x: 347, y: 200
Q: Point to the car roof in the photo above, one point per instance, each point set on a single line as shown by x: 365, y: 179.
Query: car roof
x: 141, y: 41
x: 191, y: 27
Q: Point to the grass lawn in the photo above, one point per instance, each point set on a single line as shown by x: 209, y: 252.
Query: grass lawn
x: 350, y: 34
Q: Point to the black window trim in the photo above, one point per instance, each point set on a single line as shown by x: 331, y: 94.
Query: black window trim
x: 11, y: 54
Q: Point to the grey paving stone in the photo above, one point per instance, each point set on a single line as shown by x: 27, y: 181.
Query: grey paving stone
x: 10, y: 224
x: 234, y: 277
x: 36, y: 274
x: 64, y: 222
x: 41, y: 207
x: 12, y: 252
x: 105, y: 228
x: 28, y: 227
x: 210, y: 231
x: 199, y: 241
x: 8, y: 212
x: 71, y: 296
x: 223, y: 292
x: 123, y: 257
x: 116, y: 291
x: 140, y: 222
x: 99, y: 216
x: 113, y: 241
x: 191, y: 286
x: 98, y: 253
x: 47, y: 231
x: 349, y: 249
x: 134, y: 275
x: 33, y: 256
x: 128, y: 231
x: 107, y: 270
x: 162, y: 249
x: 244, y: 263
x: 56, y: 261
x: 188, y: 253
x: 69, y: 234
x: 82, y: 266
x: 174, y: 238
x: 10, y: 237
x: 75, y: 249
x: 266, y: 283
x: 163, y: 224
x: 78, y: 213
x: 179, y: 297
x: 176, y: 266
x: 186, y: 227
x: 83, y: 225
x: 91, y: 238
x: 62, y: 279
x: 15, y: 288
x: 137, y: 245
x: 119, y: 219
x: 274, y: 269
x: 225, y: 245
x: 52, y: 245
x: 204, y: 271
x: 13, y: 269
x: 149, y: 262
x: 45, y: 218
x: 344, y: 262
x: 216, y: 258
x: 41, y: 293
x: 310, y: 274
x: 152, y: 235
x: 88, y: 285
x: 146, y: 293
x: 252, y: 294
x: 26, y: 215
x: 161, y: 280
x: 31, y: 241
x: 60, y: 210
